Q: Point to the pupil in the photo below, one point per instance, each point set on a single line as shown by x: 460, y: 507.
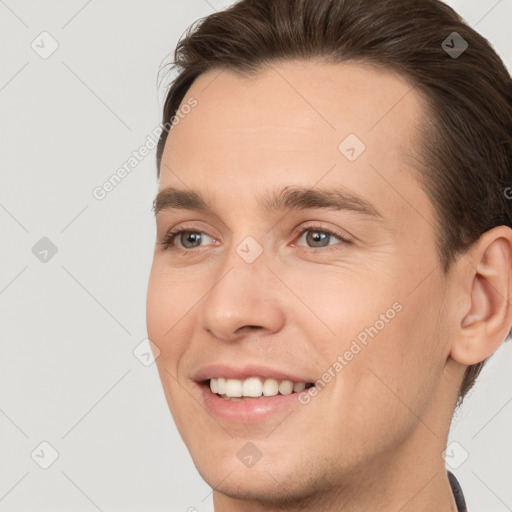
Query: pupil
x: 193, y: 237
x: 317, y: 236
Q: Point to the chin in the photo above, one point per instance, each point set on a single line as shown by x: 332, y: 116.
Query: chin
x: 273, y: 478
x: 254, y: 485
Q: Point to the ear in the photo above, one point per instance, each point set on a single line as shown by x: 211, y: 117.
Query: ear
x: 487, y: 288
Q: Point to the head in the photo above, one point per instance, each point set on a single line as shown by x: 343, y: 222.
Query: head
x: 346, y: 118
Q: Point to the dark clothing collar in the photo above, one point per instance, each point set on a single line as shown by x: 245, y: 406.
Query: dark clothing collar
x: 457, y: 493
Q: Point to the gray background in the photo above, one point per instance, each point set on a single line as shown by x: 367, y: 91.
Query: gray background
x: 70, y: 324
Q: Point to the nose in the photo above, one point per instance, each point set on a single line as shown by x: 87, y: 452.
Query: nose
x: 245, y: 298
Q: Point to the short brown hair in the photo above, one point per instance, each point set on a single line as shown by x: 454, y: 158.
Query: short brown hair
x: 466, y: 148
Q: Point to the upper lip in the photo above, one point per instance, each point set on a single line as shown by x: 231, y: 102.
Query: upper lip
x: 214, y: 371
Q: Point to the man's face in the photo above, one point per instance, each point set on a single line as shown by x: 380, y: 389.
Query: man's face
x: 250, y: 286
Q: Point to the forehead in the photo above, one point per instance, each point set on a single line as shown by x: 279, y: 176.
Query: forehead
x: 303, y: 102
x: 292, y: 124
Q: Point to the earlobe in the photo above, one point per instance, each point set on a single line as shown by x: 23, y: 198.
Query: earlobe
x: 486, y: 323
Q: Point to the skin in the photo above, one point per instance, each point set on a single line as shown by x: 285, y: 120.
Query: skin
x: 372, y: 439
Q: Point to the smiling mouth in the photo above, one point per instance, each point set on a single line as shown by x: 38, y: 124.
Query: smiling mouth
x: 254, y: 387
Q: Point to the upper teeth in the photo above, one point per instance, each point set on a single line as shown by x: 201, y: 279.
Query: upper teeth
x: 254, y: 387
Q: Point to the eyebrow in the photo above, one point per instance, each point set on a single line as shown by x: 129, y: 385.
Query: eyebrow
x: 286, y: 199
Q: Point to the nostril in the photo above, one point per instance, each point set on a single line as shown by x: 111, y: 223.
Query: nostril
x: 249, y: 328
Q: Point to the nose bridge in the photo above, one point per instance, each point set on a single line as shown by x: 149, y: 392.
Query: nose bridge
x: 243, y: 294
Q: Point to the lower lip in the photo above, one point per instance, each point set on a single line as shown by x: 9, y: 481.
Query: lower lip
x: 250, y: 410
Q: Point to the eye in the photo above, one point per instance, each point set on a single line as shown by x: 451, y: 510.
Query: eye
x: 192, y: 239
x: 316, y: 237
x: 320, y: 237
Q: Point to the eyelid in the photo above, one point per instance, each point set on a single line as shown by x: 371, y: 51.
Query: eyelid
x: 172, y: 234
x: 318, y: 226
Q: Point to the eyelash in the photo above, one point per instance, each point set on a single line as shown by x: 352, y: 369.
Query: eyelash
x: 168, y: 241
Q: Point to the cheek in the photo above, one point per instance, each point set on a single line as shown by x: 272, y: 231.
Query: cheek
x: 388, y: 338
x: 344, y: 307
x: 405, y: 360
x: 166, y: 310
x: 168, y: 302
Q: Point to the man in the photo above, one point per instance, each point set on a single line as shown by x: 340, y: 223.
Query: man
x: 333, y: 257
